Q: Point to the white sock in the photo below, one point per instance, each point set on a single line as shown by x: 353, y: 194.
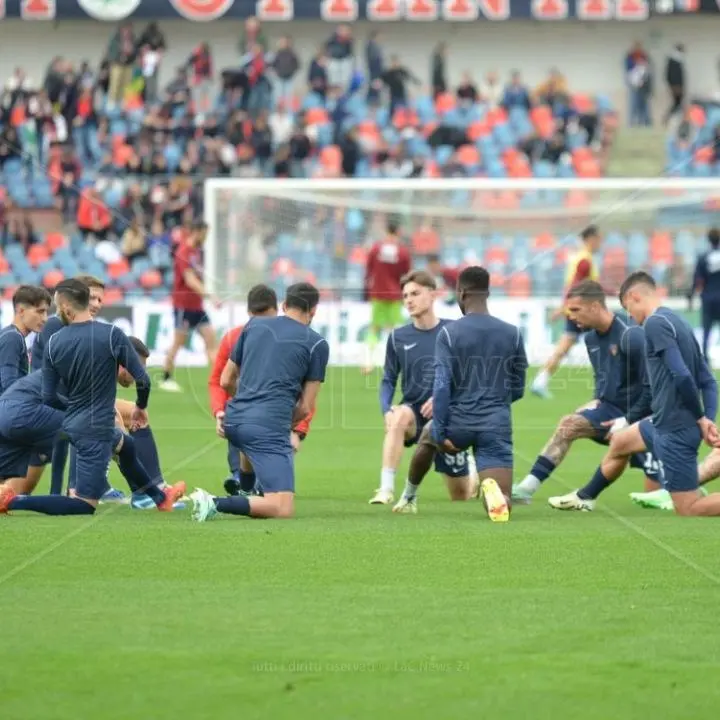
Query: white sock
x: 542, y: 379
x: 410, y: 490
x: 387, y: 480
x: 530, y: 484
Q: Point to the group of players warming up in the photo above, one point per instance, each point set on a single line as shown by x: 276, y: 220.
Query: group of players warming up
x: 654, y: 403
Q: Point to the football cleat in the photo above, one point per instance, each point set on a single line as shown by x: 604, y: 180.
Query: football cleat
x: 170, y: 386
x: 114, y: 497
x: 173, y: 493
x: 521, y: 496
x: 204, y: 508
x: 381, y: 497
x: 571, y: 501
x: 406, y: 505
x: 495, y: 501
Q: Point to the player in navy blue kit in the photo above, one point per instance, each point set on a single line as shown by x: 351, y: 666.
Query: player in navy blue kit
x: 707, y: 281
x: 30, y: 307
x: 84, y: 357
x: 480, y: 369
x: 410, y: 358
x: 279, y: 363
x: 622, y: 393
x: 684, y: 405
x: 27, y: 432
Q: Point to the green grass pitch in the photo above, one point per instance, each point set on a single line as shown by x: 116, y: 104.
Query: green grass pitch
x: 348, y: 611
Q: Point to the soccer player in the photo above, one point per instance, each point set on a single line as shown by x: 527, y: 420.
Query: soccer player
x: 261, y: 302
x: 480, y: 368
x: 188, y: 295
x: 281, y: 364
x: 617, y: 356
x: 707, y: 281
x: 684, y: 404
x: 387, y: 262
x: 84, y: 357
x: 61, y: 448
x: 409, y: 357
x: 580, y: 267
x: 30, y: 308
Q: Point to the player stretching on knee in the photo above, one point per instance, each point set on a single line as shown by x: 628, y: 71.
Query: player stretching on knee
x: 617, y: 356
x: 188, y: 297
x: 480, y: 367
x: 580, y: 267
x: 684, y: 403
x: 387, y: 262
x: 261, y: 302
x: 84, y: 357
x: 707, y: 281
x: 409, y: 357
x: 30, y: 314
x: 281, y: 364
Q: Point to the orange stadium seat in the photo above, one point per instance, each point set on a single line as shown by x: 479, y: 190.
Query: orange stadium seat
x: 331, y: 158
x: 37, y: 254
x: 577, y: 198
x: 497, y: 255
x: 282, y: 266
x: 316, y: 116
x: 497, y: 116
x: 497, y: 281
x: 52, y: 278
x: 582, y: 103
x: 478, y: 129
x: 358, y: 255
x: 696, y: 115
x: 468, y: 155
x: 705, y: 155
x: 425, y: 241
x: 9, y: 292
x: 444, y: 102
x: 519, y: 285
x: 4, y: 265
x: 113, y: 296
x: 150, y: 279
x: 540, y: 115
x: 661, y: 248
x: 118, y: 269
x: 55, y: 241
x: 544, y: 241
x: 405, y: 117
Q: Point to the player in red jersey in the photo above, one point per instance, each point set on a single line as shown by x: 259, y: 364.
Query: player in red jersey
x: 387, y: 262
x: 188, y: 295
x: 261, y: 302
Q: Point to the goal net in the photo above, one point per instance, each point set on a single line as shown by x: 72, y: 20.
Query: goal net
x: 283, y: 231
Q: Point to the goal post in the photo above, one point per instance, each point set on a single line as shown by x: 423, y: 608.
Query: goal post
x: 283, y: 231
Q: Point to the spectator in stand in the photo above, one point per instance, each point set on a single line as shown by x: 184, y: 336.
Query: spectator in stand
x: 84, y: 122
x: 177, y: 92
x: 491, y: 92
x: 9, y: 145
x: 54, y: 79
x: 152, y: 46
x: 93, y: 218
x: 200, y: 64
x: 318, y: 75
x: 281, y: 124
x: 396, y: 78
x: 341, y: 57
x: 516, y: 93
x: 637, y: 79
x: 351, y: 153
x: 282, y: 162
x: 252, y: 35
x: 285, y: 65
x: 716, y: 144
x: 553, y: 90
x: 375, y: 66
x: 86, y: 79
x: 103, y: 78
x: 686, y: 134
x: 262, y: 143
x: 134, y: 242
x: 555, y: 150
x: 122, y: 53
x: 178, y: 201
x: 239, y: 128
x: 301, y: 146
x: 467, y: 93
x: 438, y: 77
x: 69, y: 177
x: 675, y: 79
x: 20, y: 232
x: 257, y: 95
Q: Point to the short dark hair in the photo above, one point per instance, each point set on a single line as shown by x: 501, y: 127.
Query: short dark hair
x: 91, y: 281
x: 588, y: 290
x: 421, y: 277
x: 302, y: 296
x: 714, y: 237
x: 639, y: 277
x: 474, y: 280
x: 32, y: 295
x: 589, y: 231
x: 393, y: 224
x: 140, y: 347
x: 75, y: 291
x: 199, y: 225
x: 260, y: 299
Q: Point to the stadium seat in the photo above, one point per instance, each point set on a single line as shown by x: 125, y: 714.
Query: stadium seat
x: 55, y: 241
x: 519, y: 285
x: 118, y: 269
x: 53, y: 278
x: 37, y: 254
x: 150, y: 279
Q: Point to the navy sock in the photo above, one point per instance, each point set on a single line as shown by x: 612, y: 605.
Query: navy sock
x: 134, y: 472
x: 147, y: 453
x: 59, y: 458
x: 237, y: 505
x: 52, y: 505
x: 598, y: 483
x: 247, y: 481
x: 234, y: 460
x: 543, y: 468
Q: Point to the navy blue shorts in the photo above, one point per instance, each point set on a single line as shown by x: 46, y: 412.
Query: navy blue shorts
x: 492, y: 448
x: 572, y: 328
x: 93, y: 455
x: 188, y: 320
x: 676, y: 453
x: 445, y: 464
x: 270, y: 453
x: 27, y: 434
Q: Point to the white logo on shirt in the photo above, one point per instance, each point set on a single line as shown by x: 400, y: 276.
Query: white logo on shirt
x: 594, y: 349
x: 410, y: 347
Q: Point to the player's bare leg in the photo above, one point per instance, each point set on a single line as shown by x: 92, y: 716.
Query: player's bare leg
x: 179, y: 339
x: 371, y: 342
x: 399, y: 426
x: 209, y: 336
x: 570, y: 428
x: 694, y: 504
x: 462, y: 488
x: 280, y: 505
x: 542, y: 379
x: 623, y: 445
